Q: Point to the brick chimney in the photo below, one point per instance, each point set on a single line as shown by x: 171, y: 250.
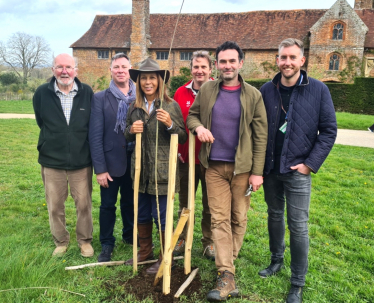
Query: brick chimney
x: 364, y: 4
x: 140, y: 37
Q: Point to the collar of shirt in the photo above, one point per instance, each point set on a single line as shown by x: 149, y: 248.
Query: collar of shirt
x: 74, y: 88
x: 147, y: 104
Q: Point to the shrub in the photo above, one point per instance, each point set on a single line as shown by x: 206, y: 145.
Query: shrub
x: 9, y: 78
x: 357, y: 98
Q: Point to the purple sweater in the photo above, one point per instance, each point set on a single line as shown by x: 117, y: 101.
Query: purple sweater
x: 225, y: 125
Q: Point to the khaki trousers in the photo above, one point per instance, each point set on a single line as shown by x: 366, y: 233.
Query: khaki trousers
x: 228, y: 207
x: 56, y: 183
x: 183, y: 201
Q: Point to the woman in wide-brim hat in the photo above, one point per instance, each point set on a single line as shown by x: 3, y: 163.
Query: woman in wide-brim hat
x: 142, y: 117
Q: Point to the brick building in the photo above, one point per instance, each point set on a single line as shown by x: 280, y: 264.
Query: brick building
x: 339, y: 42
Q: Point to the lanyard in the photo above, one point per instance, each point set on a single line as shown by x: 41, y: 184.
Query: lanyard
x: 301, y: 80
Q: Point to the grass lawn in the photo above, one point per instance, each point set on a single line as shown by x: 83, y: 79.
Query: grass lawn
x: 345, y: 120
x: 16, y: 107
x: 341, y: 260
x: 354, y: 121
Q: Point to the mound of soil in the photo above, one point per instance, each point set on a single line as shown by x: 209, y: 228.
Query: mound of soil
x: 141, y: 286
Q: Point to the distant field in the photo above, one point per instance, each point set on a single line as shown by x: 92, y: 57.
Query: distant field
x: 16, y: 107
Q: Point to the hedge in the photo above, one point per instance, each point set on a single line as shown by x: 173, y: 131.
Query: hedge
x: 357, y: 98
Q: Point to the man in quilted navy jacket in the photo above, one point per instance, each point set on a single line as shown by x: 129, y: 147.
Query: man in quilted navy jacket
x: 301, y: 132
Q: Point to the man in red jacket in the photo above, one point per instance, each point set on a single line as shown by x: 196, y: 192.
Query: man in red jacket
x: 201, y: 68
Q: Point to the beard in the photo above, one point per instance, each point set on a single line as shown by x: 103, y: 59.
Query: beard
x: 229, y: 77
x: 59, y: 81
x: 289, y: 74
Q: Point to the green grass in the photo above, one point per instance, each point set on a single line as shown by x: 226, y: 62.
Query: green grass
x: 345, y: 120
x: 341, y: 260
x: 16, y: 107
x: 354, y: 121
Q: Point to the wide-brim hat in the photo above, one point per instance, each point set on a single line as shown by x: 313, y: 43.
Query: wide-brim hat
x: 151, y: 66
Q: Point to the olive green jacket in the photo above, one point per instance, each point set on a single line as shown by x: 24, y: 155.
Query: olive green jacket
x: 250, y: 152
x: 147, y: 175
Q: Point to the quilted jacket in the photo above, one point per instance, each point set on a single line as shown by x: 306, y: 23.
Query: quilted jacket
x: 311, y: 124
x: 147, y: 175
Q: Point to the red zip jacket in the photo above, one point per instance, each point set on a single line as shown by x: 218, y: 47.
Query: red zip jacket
x: 185, y: 96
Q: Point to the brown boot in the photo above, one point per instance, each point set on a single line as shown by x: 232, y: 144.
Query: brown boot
x: 145, y: 243
x: 225, y: 288
x: 154, y: 268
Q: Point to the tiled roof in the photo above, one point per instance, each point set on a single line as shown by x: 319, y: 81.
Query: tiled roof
x: 367, y: 15
x: 251, y: 30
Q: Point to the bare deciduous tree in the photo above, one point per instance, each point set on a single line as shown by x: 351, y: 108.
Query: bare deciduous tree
x: 25, y: 52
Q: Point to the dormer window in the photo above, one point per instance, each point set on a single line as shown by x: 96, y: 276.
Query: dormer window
x: 337, y: 32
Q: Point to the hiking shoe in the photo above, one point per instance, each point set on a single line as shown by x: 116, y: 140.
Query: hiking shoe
x: 295, y: 294
x: 272, y: 269
x: 59, y: 251
x: 86, y: 250
x: 106, y: 253
x: 225, y: 288
x: 210, y: 252
x: 179, y: 248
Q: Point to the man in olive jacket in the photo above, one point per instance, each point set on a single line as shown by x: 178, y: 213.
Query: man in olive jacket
x: 62, y: 111
x: 229, y: 118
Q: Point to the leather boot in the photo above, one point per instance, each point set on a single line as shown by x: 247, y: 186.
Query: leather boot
x: 154, y: 268
x: 145, y: 243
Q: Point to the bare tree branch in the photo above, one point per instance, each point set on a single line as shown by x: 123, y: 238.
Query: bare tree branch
x: 25, y: 52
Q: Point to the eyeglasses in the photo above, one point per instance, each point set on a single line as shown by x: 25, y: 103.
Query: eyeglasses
x: 61, y: 68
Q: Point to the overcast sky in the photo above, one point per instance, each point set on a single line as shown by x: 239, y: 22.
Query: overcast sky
x: 61, y: 23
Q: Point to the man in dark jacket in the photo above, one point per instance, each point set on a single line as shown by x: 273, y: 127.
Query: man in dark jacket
x: 301, y: 132
x: 111, y: 155
x: 62, y: 111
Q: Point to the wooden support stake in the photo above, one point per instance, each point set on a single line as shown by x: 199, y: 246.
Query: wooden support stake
x: 167, y: 258
x: 186, y: 283
x: 138, y: 156
x: 113, y: 263
x: 181, y: 223
x: 191, y: 204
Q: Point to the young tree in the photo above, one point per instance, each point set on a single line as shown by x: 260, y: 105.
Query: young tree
x: 25, y: 52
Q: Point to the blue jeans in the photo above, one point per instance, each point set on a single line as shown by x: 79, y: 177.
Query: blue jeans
x: 147, y: 209
x: 293, y: 188
x: 108, y: 208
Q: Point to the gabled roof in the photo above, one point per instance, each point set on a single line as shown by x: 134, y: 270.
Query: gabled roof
x: 251, y: 30
x: 367, y: 15
x: 256, y: 30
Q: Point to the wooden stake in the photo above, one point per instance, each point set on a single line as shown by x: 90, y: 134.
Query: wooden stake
x: 181, y: 223
x: 170, y: 212
x: 114, y: 263
x: 138, y: 156
x: 191, y: 204
x: 186, y: 283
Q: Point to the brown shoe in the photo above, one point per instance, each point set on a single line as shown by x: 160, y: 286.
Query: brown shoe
x: 225, y: 288
x: 87, y: 250
x: 145, y: 243
x: 59, y: 251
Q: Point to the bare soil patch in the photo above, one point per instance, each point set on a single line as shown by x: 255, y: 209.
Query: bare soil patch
x: 141, y: 286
